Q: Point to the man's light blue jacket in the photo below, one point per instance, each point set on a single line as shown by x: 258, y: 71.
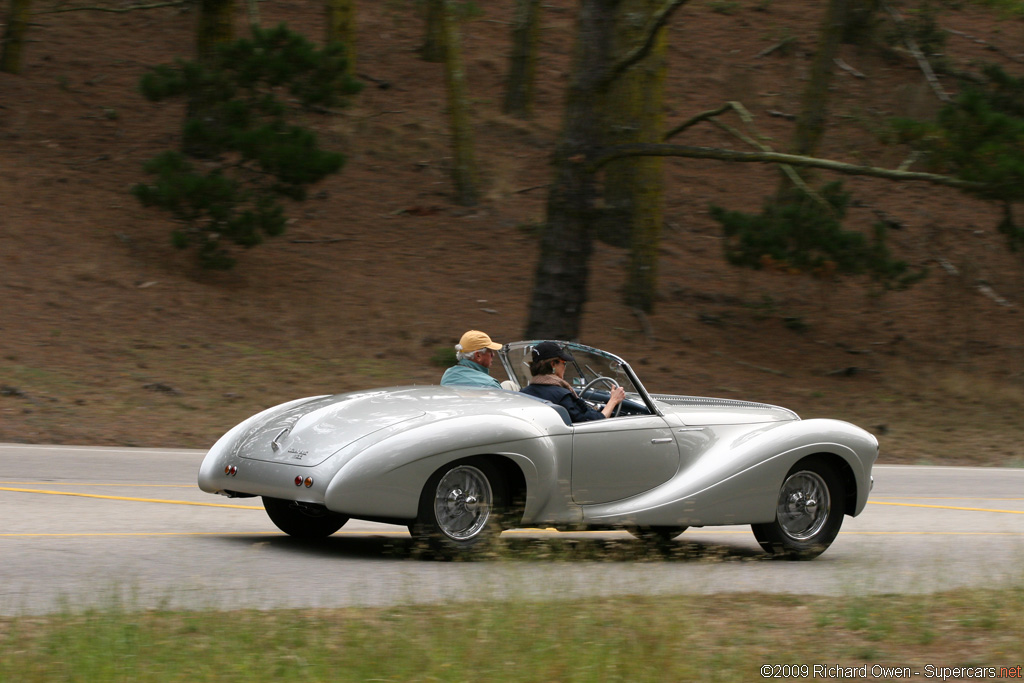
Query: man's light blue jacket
x: 469, y: 374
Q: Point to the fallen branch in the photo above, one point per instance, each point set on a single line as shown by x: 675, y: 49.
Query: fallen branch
x: 990, y: 46
x: 847, y: 68
x: 985, y: 289
x: 785, y: 42
x: 922, y: 61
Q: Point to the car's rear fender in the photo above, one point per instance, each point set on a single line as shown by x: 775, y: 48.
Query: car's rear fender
x: 387, y: 477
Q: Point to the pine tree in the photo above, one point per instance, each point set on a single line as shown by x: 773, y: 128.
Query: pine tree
x: 257, y: 156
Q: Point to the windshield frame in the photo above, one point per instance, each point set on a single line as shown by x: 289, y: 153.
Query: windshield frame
x: 513, y: 357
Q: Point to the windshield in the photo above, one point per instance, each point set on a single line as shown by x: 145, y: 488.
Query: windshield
x: 588, y: 364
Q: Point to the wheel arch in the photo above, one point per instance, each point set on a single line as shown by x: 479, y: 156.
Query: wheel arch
x: 511, y: 474
x: 515, y: 481
x: 843, y: 469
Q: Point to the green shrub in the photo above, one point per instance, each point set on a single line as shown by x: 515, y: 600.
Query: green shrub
x: 979, y: 137
x: 802, y: 235
x: 238, y: 125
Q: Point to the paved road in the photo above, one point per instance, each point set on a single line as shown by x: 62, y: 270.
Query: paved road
x: 89, y: 526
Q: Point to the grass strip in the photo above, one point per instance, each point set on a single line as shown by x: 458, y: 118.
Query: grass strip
x: 708, y: 638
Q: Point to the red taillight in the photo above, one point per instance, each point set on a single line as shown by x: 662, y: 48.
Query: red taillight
x: 298, y: 481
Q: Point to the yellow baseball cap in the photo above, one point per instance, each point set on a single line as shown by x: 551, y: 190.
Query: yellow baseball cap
x: 474, y: 340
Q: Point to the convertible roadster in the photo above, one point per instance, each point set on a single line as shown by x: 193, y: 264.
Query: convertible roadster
x: 457, y: 465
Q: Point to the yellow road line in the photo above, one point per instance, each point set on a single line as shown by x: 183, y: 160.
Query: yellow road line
x: 136, y: 500
x: 535, y: 532
x: 258, y: 507
x: 146, y: 533
x: 110, y: 484
x: 939, y: 498
x: 946, y: 507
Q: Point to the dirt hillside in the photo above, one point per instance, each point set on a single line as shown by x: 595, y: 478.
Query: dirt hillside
x: 109, y: 335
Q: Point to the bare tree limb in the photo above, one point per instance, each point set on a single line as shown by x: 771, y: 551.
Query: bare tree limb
x: 114, y: 10
x: 663, y: 150
x: 703, y: 116
x: 658, y: 19
x: 748, y: 120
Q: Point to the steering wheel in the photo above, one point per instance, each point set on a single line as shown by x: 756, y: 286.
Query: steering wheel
x: 611, y: 385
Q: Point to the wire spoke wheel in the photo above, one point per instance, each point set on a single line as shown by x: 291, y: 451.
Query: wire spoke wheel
x: 461, y: 507
x: 808, y: 512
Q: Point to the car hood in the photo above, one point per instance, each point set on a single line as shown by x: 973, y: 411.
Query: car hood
x: 698, y: 410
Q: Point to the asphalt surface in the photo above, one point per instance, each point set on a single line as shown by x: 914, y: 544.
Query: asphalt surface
x: 84, y: 526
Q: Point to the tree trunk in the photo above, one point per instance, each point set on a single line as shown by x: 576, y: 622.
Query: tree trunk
x: 341, y: 28
x: 634, y: 188
x: 14, y: 36
x: 562, y: 275
x: 464, y: 174
x: 433, y: 37
x: 810, y: 125
x: 252, y: 13
x: 215, y: 26
x: 519, y: 88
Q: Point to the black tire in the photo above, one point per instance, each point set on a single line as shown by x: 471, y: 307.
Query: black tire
x: 301, y: 520
x: 461, y: 507
x: 656, y: 534
x: 809, y: 512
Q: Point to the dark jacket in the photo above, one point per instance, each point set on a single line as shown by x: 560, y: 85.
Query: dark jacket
x: 578, y: 409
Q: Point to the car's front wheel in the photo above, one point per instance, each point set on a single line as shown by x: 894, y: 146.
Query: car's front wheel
x: 460, y: 507
x: 302, y: 520
x: 808, y: 513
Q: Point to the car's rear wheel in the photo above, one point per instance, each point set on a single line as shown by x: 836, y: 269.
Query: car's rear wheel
x: 302, y: 520
x: 808, y: 513
x: 656, y: 534
x: 461, y: 506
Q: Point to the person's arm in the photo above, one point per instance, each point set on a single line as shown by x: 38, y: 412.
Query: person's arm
x: 614, y: 398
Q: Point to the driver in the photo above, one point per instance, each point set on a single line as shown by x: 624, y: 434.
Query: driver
x: 548, y: 369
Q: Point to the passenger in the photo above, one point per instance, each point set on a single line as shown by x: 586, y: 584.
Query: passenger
x: 548, y: 383
x: 475, y: 353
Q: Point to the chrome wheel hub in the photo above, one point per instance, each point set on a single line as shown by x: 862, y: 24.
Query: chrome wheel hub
x: 804, y: 505
x: 462, y: 503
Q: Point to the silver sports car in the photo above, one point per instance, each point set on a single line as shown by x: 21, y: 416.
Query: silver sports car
x: 457, y: 465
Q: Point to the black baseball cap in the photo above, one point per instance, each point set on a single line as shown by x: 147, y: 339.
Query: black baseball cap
x: 546, y: 350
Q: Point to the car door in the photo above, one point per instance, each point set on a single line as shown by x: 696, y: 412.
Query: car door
x: 621, y: 457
